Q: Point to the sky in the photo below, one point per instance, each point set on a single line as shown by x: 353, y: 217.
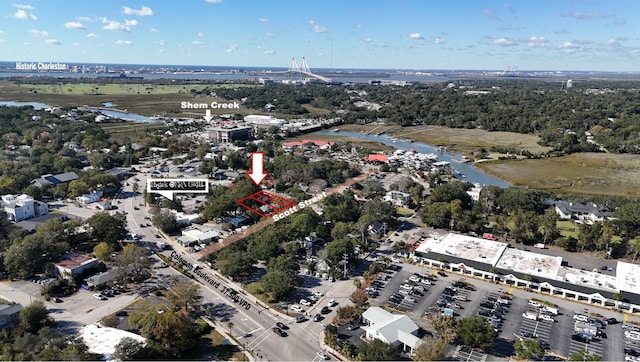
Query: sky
x: 560, y: 35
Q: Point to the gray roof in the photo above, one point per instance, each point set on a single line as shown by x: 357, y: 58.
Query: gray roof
x: 10, y: 309
x: 46, y: 180
x: 102, y: 278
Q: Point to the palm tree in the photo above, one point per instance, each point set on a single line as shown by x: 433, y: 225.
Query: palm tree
x: 230, y: 325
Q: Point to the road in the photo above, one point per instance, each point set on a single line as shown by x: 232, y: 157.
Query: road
x: 251, y: 323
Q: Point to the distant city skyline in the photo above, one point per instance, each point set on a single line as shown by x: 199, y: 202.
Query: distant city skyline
x: 552, y: 35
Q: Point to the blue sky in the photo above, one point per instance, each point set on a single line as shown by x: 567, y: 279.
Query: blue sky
x: 409, y: 34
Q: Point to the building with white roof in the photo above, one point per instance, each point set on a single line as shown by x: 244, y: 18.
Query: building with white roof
x: 103, y: 340
x: 493, y: 260
x: 23, y: 207
x: 394, y: 329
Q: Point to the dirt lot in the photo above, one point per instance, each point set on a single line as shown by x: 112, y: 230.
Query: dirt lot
x: 586, y: 173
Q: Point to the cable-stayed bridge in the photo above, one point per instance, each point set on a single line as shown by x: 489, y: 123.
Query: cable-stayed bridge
x: 303, y: 72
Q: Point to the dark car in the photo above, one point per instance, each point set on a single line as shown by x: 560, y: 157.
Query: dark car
x: 441, y: 273
x: 528, y: 335
x: 610, y: 321
x: 317, y: 317
x: 486, y: 305
x: 300, y: 319
x: 281, y: 325
x: 325, y: 310
x: 580, y: 337
x: 484, y: 312
x: 122, y: 313
x: 279, y: 331
x: 448, y: 291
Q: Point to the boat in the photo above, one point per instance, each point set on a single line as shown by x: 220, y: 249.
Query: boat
x: 335, y: 130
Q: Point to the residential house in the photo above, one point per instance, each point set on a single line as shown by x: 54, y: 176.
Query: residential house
x: 72, y: 264
x: 23, y: 207
x: 87, y: 199
x: 394, y: 329
x: 588, y: 213
x: 474, y: 192
x: 52, y: 180
x: 9, y: 314
x: 397, y: 198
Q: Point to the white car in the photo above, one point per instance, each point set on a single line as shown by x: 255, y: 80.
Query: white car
x: 632, y: 335
x: 99, y: 296
x: 414, y: 278
x: 297, y: 308
x: 317, y: 293
x: 322, y: 355
x: 332, y: 303
x: 546, y: 318
x: 305, y: 302
x: 410, y: 299
x: 425, y: 281
x: 535, y: 304
x: 503, y: 301
x: 403, y: 291
x: 406, y: 286
x: 581, y: 318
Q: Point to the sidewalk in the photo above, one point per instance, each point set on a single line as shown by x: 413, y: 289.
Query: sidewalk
x: 220, y: 329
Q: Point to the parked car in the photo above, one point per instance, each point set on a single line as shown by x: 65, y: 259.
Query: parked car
x: 297, y: 308
x: 352, y: 326
x: 404, y: 291
x: 99, y: 296
x: 317, y: 317
x: 305, y: 302
x: 317, y: 293
x: 406, y: 286
x: 535, y: 304
x: 410, y: 299
x: 460, y: 298
x: 581, y: 318
x: 332, y: 303
x: 581, y: 337
x: 486, y: 304
x: 325, y: 310
x: 546, y: 318
x: 610, y: 321
x: 300, y: 318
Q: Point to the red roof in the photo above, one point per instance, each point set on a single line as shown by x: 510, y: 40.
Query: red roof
x: 376, y: 157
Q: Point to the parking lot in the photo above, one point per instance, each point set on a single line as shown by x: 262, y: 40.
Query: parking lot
x: 397, y: 290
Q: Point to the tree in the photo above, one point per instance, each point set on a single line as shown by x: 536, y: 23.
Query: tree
x: 437, y: 214
x: 108, y: 228
x: 128, y: 349
x: 165, y: 220
x: 358, y: 297
x: 278, y: 282
x: 229, y: 325
x: 183, y: 294
x: 476, y: 333
x: 132, y: 263
x: 582, y: 355
x: 34, y: 316
x: 173, y: 334
x: 103, y: 251
x: 528, y: 348
x: 235, y: 264
x: 377, y: 350
x: 431, y: 349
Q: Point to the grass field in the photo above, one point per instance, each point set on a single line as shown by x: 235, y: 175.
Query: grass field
x: 567, y: 228
x: 585, y: 173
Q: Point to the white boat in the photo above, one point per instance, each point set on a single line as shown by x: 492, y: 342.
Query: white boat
x: 335, y: 130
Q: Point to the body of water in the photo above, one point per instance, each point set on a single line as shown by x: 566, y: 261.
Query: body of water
x: 127, y: 116
x: 471, y: 173
x: 35, y: 105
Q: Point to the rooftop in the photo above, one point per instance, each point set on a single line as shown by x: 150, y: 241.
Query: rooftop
x: 465, y: 247
x: 628, y: 276
x: 103, y: 340
x: 545, y: 266
x: 72, y: 261
x: 588, y: 278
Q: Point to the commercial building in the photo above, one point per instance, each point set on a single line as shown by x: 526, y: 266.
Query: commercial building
x: 397, y: 198
x: 264, y: 121
x: 87, y: 199
x: 494, y: 260
x: 9, y: 314
x: 23, y: 207
x: 229, y: 133
x: 72, y: 264
x: 52, y: 180
x: 394, y: 329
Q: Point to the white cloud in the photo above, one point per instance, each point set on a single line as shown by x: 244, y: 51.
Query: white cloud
x: 74, y: 25
x: 504, y: 42
x: 439, y: 40
x: 568, y: 45
x: 537, y: 42
x: 23, y: 6
x: 231, y: 48
x: 87, y: 19
x: 161, y: 42
x: 415, y: 36
x: 263, y: 20
x: 367, y: 40
x: 196, y: 42
x: 53, y: 42
x: 268, y: 52
x: 200, y: 34
x: 317, y: 28
x: 92, y: 35
x: 38, y: 33
x: 23, y: 15
x: 124, y: 42
x: 115, y: 26
x: 269, y: 35
x: 75, y: 44
x: 128, y: 22
x: 154, y: 30
x: 213, y: 1
x: 3, y: 41
x: 144, y: 11
x: 490, y: 13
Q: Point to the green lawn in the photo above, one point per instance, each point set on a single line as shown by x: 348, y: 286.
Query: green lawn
x: 567, y: 228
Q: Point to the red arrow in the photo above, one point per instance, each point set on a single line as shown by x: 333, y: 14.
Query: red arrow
x: 257, y: 173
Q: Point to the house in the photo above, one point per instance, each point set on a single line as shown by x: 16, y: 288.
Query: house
x: 474, y: 192
x: 376, y: 158
x: 397, y: 198
x: 87, y: 199
x: 72, y: 264
x: 52, y: 180
x: 394, y: 329
x: 582, y: 212
x: 323, y: 145
x: 23, y: 207
x: 100, y: 280
x: 120, y: 172
x: 376, y: 227
x: 9, y: 314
